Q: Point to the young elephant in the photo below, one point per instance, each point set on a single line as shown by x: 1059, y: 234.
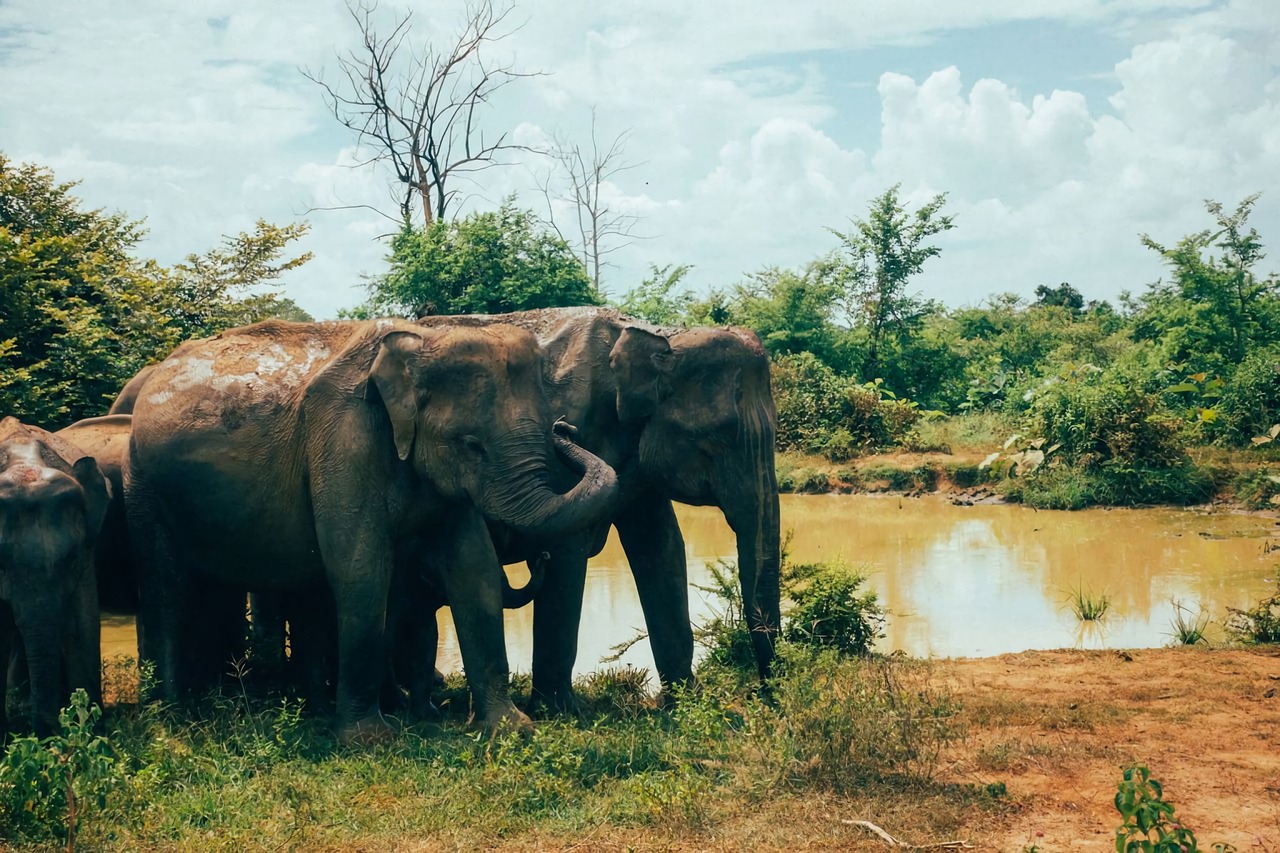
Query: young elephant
x: 280, y: 455
x: 106, y: 439
x: 52, y: 502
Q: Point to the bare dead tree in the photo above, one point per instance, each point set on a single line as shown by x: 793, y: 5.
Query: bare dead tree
x: 601, y: 228
x: 419, y: 108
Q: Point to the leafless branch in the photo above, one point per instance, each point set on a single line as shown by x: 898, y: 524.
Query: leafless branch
x: 421, y: 109
x: 601, y: 229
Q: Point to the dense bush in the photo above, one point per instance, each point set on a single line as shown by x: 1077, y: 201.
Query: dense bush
x: 822, y: 412
x: 1250, y: 401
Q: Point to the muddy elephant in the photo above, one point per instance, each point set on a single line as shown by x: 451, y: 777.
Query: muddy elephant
x: 106, y: 439
x: 682, y: 415
x: 53, y: 499
x: 280, y: 455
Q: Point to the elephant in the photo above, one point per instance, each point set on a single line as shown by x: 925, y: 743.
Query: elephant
x: 53, y: 499
x: 106, y: 439
x: 681, y: 415
x: 281, y: 455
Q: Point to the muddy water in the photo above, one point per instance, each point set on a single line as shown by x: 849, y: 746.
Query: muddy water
x: 959, y: 581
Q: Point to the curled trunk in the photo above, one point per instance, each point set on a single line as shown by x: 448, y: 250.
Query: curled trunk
x: 528, y: 503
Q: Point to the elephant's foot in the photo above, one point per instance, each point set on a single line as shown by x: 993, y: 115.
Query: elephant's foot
x: 504, y: 718
x: 369, y: 731
x: 558, y: 702
x: 424, y: 709
x: 668, y: 697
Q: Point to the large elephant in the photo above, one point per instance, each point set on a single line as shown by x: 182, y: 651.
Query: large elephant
x: 681, y: 414
x: 106, y: 439
x: 53, y: 498
x: 280, y: 455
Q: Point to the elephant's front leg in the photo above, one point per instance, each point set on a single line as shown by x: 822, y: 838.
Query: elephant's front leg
x: 473, y: 585
x: 557, y: 613
x: 651, y: 538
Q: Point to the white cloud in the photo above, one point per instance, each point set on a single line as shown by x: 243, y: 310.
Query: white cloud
x: 196, y: 117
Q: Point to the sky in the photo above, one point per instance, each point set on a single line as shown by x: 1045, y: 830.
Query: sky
x: 1060, y: 130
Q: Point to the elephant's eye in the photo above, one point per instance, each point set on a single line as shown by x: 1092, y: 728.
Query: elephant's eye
x: 472, y: 444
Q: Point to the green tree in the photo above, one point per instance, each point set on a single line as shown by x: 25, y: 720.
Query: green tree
x: 214, y: 291
x: 880, y: 254
x: 653, y: 301
x: 79, y: 314
x: 793, y: 312
x: 486, y: 263
x: 1215, y: 310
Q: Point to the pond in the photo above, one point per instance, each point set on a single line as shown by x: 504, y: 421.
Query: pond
x: 958, y: 580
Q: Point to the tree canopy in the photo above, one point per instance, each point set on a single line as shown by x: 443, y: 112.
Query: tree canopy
x: 486, y: 263
x: 80, y: 314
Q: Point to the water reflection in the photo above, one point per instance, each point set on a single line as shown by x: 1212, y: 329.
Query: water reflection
x: 963, y: 581
x: 960, y: 581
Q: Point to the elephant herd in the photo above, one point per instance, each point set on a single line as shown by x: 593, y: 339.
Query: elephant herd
x: 352, y: 477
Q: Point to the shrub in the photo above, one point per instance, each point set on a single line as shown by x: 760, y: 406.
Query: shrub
x: 1113, y: 441
x: 1250, y: 401
x: 1258, y: 625
x: 820, y: 411
x: 829, y: 610
x: 1257, y: 488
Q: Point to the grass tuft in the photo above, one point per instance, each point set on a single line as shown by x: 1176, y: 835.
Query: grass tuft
x: 1188, y: 628
x: 1087, y: 605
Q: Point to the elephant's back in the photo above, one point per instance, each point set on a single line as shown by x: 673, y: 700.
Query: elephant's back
x: 106, y: 439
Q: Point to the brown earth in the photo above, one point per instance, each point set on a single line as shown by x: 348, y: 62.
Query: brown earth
x: 1057, y: 728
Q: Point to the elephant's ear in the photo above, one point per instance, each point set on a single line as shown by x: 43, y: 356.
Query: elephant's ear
x: 394, y: 381
x: 97, y: 494
x: 642, y: 364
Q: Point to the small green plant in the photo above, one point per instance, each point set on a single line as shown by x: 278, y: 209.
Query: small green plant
x: 1188, y: 628
x: 47, y: 786
x: 1148, y: 822
x: 1258, y: 625
x: 1087, y: 605
x: 830, y: 610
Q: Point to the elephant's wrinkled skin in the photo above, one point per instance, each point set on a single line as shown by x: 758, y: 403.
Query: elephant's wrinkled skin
x: 681, y: 414
x: 106, y: 439
x: 279, y: 455
x: 53, y: 499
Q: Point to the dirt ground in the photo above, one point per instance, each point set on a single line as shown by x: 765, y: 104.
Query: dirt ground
x: 1057, y: 727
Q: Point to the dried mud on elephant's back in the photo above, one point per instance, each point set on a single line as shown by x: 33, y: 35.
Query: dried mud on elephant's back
x: 1058, y: 727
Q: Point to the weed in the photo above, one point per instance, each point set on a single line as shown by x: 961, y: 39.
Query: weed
x: 1087, y: 605
x: 1188, y: 629
x: 829, y: 610
x: 1148, y: 822
x: 1259, y: 624
x: 49, y: 786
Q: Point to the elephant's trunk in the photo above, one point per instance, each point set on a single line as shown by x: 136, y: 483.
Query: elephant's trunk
x: 751, y: 508
x: 43, y: 645
x: 514, y: 598
x: 530, y: 505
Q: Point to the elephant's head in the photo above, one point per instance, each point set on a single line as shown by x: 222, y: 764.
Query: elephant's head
x: 52, y: 502
x: 703, y: 402
x: 468, y: 407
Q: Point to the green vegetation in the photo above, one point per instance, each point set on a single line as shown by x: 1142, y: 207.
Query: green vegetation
x: 486, y: 263
x: 1149, y: 823
x: 1258, y: 624
x: 1087, y: 605
x: 1188, y: 628
x: 81, y: 315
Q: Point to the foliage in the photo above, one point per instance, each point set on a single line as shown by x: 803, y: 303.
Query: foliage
x: 793, y: 312
x: 1250, y: 402
x: 829, y: 611
x: 1257, y: 488
x: 49, y: 787
x: 822, y: 412
x: 653, y: 300
x: 81, y: 315
x: 1259, y: 624
x: 487, y: 263
x: 1148, y: 822
x: 1217, y: 309
x: 880, y: 254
